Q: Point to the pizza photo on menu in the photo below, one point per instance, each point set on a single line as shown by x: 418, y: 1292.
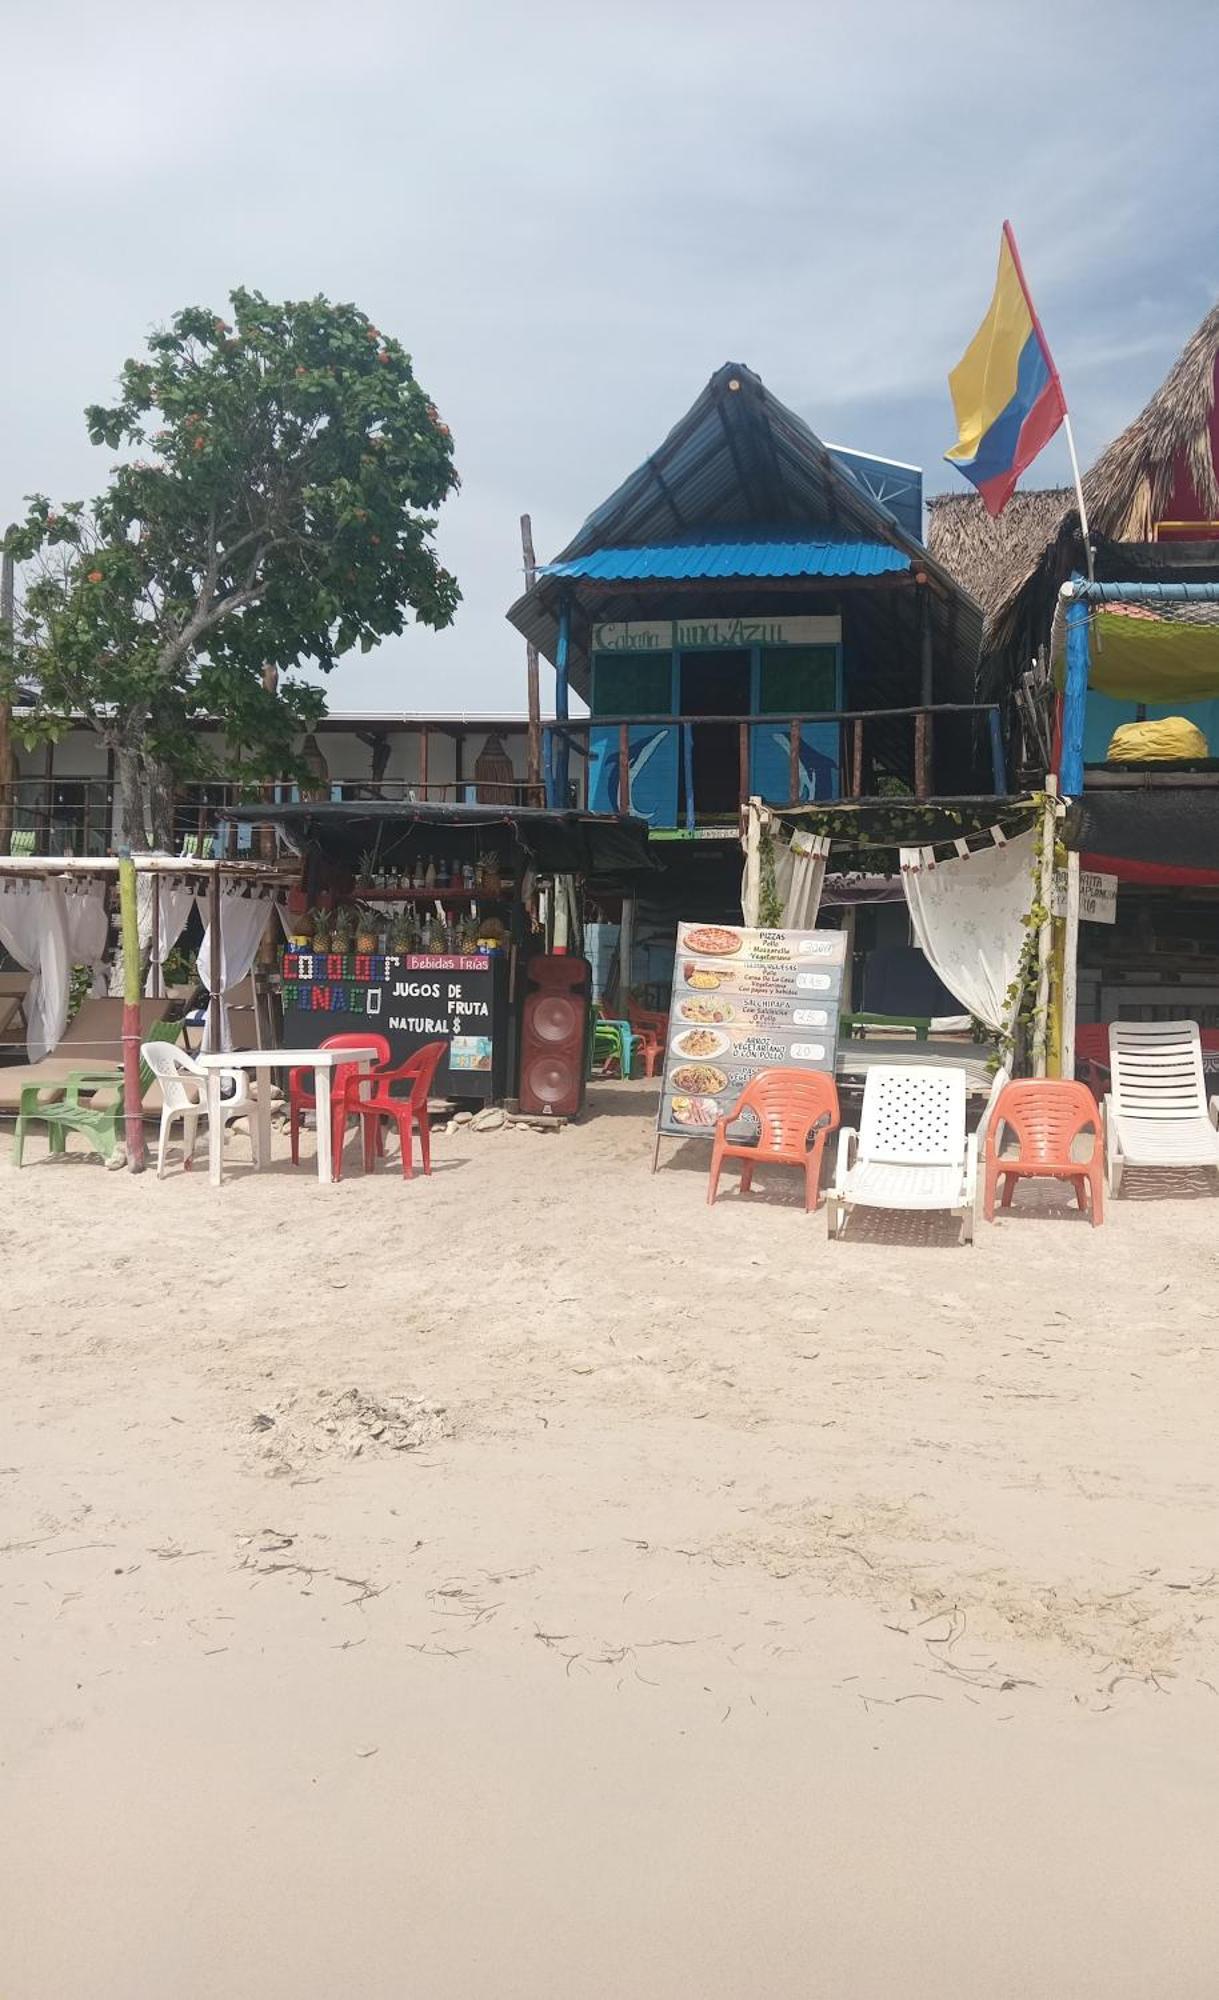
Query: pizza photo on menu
x: 713, y: 940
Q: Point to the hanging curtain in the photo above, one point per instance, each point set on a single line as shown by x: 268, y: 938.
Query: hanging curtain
x: 88, y: 928
x: 175, y: 900
x: 799, y: 871
x: 34, y: 931
x: 243, y: 919
x: 968, y: 916
x: 800, y: 878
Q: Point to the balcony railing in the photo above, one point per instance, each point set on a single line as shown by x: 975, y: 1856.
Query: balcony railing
x: 76, y: 816
x: 675, y: 769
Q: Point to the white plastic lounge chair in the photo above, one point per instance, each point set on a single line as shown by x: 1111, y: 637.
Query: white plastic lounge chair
x: 184, y: 1095
x: 1156, y: 1113
x: 911, y: 1150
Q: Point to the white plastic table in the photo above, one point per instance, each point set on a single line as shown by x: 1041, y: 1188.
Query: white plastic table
x: 323, y: 1062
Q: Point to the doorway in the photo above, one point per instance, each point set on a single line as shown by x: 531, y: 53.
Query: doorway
x: 715, y: 684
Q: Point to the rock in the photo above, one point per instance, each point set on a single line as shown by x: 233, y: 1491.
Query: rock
x: 489, y: 1120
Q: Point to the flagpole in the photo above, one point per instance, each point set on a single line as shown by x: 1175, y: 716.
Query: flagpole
x: 1039, y: 330
x: 1079, y: 490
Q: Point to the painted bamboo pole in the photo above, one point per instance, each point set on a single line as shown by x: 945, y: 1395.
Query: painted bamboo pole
x: 133, y: 1107
x: 751, y: 889
x: 531, y: 674
x: 1070, y: 966
x: 1049, y: 829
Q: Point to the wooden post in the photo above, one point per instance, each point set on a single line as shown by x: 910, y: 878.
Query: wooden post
x: 793, y: 763
x: 7, y: 778
x: 626, y: 954
x: 133, y: 1107
x: 561, y: 706
x: 922, y: 776
x: 158, y: 983
x: 424, y: 740
x: 624, y: 767
x: 531, y: 669
x: 214, y: 1016
x: 743, y: 762
x: 857, y: 758
x: 1049, y: 829
x: 1070, y: 967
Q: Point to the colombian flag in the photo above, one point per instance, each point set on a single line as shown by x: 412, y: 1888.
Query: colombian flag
x: 1005, y: 389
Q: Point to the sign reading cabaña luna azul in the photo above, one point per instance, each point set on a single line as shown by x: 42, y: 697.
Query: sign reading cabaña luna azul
x: 666, y: 635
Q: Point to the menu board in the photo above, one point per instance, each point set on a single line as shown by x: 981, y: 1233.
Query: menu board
x: 411, y: 999
x: 744, y: 1001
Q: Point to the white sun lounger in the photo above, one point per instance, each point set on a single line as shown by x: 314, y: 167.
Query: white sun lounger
x: 911, y: 1150
x: 1156, y: 1113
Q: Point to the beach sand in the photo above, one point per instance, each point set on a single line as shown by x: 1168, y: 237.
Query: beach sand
x: 532, y: 1582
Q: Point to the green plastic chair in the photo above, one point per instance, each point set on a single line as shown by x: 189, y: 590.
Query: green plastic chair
x: 612, y: 1041
x: 58, y: 1105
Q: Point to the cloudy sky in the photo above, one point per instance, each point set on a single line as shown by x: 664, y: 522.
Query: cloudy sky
x: 572, y: 215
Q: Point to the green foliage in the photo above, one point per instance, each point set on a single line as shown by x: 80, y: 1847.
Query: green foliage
x: 275, y: 509
x: 770, y: 909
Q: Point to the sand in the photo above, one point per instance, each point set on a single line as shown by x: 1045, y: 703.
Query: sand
x: 531, y: 1582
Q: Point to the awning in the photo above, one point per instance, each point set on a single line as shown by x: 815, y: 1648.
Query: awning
x: 1167, y: 836
x: 569, y: 843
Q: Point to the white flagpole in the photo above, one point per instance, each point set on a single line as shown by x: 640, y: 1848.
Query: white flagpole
x: 1079, y: 491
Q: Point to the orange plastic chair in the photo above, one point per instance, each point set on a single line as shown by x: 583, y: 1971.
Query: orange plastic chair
x: 408, y: 1113
x: 651, y: 1032
x: 302, y: 1099
x: 1047, y: 1115
x: 791, y: 1106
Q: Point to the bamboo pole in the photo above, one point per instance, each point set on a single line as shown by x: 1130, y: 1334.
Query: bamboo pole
x: 1070, y: 966
x: 133, y: 1107
x: 1049, y: 831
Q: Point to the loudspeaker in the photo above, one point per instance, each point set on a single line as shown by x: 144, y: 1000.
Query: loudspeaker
x: 554, y: 1035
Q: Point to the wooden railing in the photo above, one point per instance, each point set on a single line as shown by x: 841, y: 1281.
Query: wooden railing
x: 859, y: 732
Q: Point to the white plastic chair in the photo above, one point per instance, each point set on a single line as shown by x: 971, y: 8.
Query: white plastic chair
x: 911, y: 1150
x: 1156, y: 1113
x: 184, y: 1095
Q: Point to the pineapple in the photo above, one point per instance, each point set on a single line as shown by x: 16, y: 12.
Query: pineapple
x: 322, y: 931
x: 368, y: 936
x: 342, y: 931
x: 438, y: 937
x: 404, y: 937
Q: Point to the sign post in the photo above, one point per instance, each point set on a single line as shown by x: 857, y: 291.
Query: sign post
x: 744, y: 1000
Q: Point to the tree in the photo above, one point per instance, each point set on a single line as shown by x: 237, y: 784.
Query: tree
x: 282, y: 515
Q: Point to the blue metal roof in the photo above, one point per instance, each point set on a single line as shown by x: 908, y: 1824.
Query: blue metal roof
x: 728, y: 554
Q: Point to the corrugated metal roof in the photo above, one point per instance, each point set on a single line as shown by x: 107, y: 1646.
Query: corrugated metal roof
x: 740, y: 457
x: 728, y: 555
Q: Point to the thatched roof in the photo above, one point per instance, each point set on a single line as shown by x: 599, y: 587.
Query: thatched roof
x: 1129, y: 488
x: 991, y: 558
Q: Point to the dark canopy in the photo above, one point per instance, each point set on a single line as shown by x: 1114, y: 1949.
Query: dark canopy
x: 569, y: 843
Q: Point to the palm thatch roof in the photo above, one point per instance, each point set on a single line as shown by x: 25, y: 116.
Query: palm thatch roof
x: 1129, y: 488
x: 1127, y: 491
x: 991, y: 558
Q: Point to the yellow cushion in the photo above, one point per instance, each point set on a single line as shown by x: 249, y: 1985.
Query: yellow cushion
x: 1169, y: 740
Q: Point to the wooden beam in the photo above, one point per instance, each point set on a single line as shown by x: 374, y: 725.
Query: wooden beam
x: 624, y: 767
x: 793, y: 761
x: 534, y: 756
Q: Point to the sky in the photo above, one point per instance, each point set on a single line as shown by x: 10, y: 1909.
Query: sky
x: 571, y: 216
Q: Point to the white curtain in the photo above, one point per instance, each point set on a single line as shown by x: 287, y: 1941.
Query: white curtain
x: 800, y: 878
x: 34, y: 931
x: 88, y: 929
x: 174, y: 899
x: 243, y: 919
x: 967, y: 914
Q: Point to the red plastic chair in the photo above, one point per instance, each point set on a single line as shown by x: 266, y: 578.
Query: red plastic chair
x: 1047, y: 1115
x: 791, y: 1106
x: 407, y: 1112
x: 652, y: 1033
x: 301, y: 1098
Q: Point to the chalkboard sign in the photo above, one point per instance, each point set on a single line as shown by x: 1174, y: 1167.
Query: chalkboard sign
x: 410, y: 998
x: 743, y: 1001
